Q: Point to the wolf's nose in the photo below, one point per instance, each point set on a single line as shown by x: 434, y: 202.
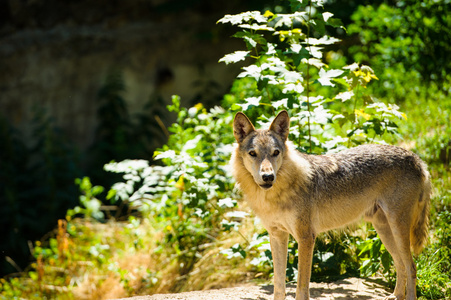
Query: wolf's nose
x: 268, y: 177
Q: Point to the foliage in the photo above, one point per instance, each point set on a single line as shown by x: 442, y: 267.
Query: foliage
x: 75, y: 250
x: 38, y: 168
x: 190, y: 193
x: 407, y: 43
x: 329, y: 107
x: 86, y: 253
x: 434, y: 263
x: 36, y: 187
x: 430, y: 132
x: 188, y: 197
x: 90, y: 205
x: 375, y: 257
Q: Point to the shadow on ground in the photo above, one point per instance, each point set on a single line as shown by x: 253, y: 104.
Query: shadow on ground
x: 349, y: 288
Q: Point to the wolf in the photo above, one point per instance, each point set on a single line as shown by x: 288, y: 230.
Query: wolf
x: 304, y: 195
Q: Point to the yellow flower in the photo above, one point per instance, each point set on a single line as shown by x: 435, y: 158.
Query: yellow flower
x: 180, y: 183
x: 198, y: 106
x: 360, y: 112
x: 368, y: 77
x: 358, y: 73
x: 366, y: 74
x: 268, y: 14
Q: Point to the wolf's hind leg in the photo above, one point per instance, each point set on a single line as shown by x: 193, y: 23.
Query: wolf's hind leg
x: 382, y: 227
x: 401, y: 234
x: 400, y: 221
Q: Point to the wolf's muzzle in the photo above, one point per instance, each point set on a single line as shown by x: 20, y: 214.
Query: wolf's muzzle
x: 268, y: 180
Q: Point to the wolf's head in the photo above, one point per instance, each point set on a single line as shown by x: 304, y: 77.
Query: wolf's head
x: 262, y: 151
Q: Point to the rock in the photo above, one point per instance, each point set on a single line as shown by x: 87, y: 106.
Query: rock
x: 349, y: 288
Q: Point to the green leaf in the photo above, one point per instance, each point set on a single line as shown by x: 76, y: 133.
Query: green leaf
x: 337, y: 23
x: 96, y: 190
x: 111, y: 194
x: 234, y: 57
x: 166, y: 154
x: 325, y: 77
x: 246, y: 35
x: 256, y: 27
x: 243, y: 18
x: 325, y: 40
x: 280, y: 103
x: 251, y: 71
x: 251, y: 101
x: 327, y: 16
x: 386, y: 261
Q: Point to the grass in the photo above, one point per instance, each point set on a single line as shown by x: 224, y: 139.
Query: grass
x: 88, y: 260
x: 428, y: 133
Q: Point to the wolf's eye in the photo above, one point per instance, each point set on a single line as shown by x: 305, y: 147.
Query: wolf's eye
x: 276, y: 152
x: 252, y: 153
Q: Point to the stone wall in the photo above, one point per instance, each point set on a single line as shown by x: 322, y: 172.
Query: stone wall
x: 56, y: 54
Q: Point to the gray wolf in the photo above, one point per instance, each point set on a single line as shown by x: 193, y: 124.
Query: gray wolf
x: 303, y: 195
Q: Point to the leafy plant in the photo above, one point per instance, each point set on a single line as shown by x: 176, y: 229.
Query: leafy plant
x: 408, y: 44
x: 188, y: 194
x: 329, y: 107
x: 90, y: 204
x: 375, y: 257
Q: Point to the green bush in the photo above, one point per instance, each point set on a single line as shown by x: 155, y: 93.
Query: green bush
x: 407, y: 43
x: 329, y: 107
x: 330, y: 110
x: 189, y: 195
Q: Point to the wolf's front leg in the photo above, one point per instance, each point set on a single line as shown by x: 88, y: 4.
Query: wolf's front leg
x: 306, y: 242
x: 279, y: 248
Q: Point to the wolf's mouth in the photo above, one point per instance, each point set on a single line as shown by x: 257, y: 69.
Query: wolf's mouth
x: 266, y: 186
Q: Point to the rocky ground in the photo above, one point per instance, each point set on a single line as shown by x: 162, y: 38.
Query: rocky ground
x: 349, y: 288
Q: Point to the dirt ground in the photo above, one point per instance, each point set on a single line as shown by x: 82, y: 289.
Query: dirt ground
x: 349, y: 288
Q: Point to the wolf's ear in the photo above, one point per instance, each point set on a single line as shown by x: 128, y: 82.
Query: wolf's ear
x: 242, y: 126
x: 281, y: 125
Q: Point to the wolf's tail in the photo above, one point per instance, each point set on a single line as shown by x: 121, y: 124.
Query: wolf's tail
x: 419, y: 229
